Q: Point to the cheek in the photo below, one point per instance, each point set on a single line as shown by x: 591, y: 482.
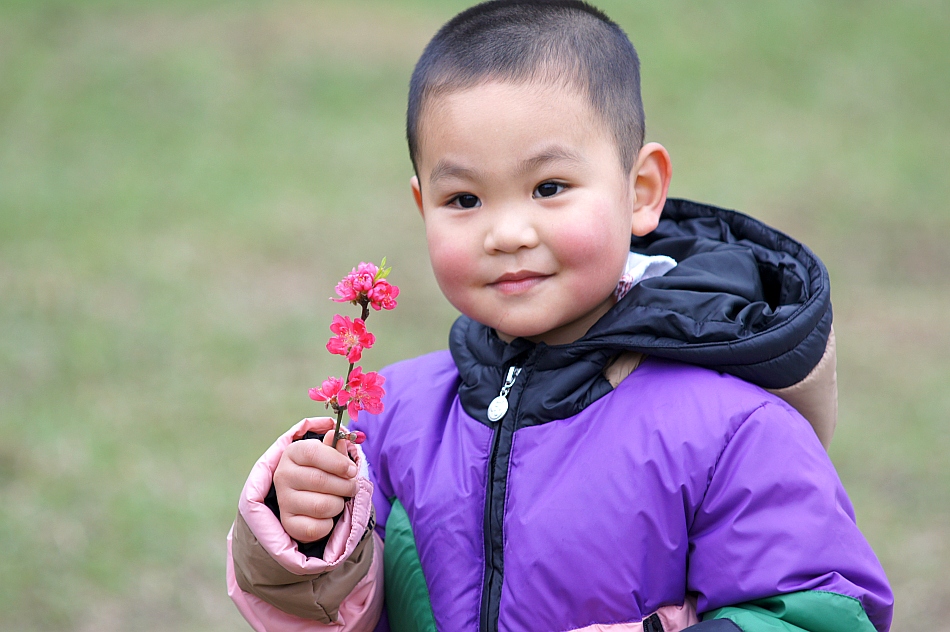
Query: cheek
x: 452, y: 264
x: 596, y: 250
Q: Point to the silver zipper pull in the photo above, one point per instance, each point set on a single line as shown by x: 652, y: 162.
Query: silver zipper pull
x: 499, y: 406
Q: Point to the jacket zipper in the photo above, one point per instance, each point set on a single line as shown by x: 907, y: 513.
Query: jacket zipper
x: 499, y: 406
x: 488, y: 620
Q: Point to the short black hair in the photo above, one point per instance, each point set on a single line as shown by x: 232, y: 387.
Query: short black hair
x: 566, y: 41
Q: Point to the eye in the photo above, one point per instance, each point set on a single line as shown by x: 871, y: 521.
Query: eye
x: 465, y: 200
x: 547, y: 189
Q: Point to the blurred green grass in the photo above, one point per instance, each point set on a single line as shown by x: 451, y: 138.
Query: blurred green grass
x: 178, y: 180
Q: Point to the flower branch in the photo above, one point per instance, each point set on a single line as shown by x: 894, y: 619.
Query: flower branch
x: 365, y: 286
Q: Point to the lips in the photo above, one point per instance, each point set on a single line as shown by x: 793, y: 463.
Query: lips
x: 518, y: 282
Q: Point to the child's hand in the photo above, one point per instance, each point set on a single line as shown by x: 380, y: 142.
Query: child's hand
x: 313, y: 481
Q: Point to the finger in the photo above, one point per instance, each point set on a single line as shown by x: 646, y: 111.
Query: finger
x: 313, y: 505
x: 304, y: 529
x: 321, y: 425
x: 313, y: 479
x: 322, y: 456
x: 290, y: 478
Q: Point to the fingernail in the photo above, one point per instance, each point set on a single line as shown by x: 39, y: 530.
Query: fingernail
x: 352, y: 470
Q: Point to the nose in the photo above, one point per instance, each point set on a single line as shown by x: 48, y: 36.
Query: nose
x: 512, y: 228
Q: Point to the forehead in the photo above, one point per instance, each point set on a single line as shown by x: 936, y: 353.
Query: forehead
x: 498, y: 120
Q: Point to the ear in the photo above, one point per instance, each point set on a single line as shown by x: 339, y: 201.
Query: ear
x: 651, y: 180
x: 417, y: 193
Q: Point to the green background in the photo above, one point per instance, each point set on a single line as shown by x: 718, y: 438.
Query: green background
x: 182, y: 183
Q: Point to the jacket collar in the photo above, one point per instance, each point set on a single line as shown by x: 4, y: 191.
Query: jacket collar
x: 744, y: 299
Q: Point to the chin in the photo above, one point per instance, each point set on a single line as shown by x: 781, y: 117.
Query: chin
x: 529, y: 333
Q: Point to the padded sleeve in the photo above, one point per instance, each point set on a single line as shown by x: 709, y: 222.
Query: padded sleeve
x: 775, y: 520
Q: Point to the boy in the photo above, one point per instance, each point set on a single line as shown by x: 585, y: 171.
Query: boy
x: 562, y: 467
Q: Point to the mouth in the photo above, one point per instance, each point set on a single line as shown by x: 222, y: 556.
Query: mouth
x: 518, y: 282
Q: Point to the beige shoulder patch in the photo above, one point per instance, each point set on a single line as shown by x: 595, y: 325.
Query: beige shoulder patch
x: 622, y: 366
x: 816, y: 397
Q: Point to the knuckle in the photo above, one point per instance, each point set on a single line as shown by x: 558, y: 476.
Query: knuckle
x: 292, y: 452
x: 317, y: 479
x: 302, y: 452
x: 315, y: 530
x: 319, y: 507
x: 327, y: 506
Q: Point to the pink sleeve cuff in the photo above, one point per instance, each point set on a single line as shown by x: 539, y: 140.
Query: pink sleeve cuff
x: 267, y: 528
x: 364, y: 604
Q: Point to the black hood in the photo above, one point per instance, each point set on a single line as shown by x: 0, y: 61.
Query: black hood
x: 744, y: 299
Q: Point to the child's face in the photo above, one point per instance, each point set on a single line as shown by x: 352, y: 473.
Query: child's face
x: 528, y: 212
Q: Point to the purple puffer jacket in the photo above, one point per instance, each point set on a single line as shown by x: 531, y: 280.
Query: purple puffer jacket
x: 681, y: 482
x: 587, y: 504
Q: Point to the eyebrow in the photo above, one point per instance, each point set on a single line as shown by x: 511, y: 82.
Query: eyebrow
x: 445, y: 169
x: 556, y: 153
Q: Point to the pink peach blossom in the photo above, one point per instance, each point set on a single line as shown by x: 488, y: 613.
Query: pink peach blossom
x: 351, y: 338
x: 365, y: 392
x: 346, y: 292
x: 354, y: 286
x: 364, y: 276
x: 331, y: 392
x: 383, y: 295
